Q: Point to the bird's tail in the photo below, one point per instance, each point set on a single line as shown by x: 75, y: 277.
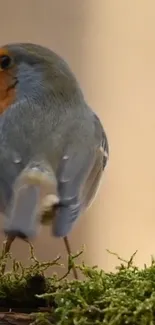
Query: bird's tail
x: 35, y: 190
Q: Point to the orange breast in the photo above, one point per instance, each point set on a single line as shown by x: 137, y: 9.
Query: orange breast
x: 7, y: 95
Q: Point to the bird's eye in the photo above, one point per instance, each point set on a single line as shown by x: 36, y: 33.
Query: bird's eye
x: 5, y: 62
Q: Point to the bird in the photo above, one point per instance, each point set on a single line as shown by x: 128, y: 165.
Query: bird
x: 53, y: 146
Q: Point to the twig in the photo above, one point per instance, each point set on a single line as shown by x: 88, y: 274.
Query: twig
x: 129, y: 263
x: 71, y: 264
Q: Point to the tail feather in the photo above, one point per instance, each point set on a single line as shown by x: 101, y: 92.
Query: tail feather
x: 34, y: 191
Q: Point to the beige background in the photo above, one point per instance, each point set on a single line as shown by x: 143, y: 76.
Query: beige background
x: 110, y: 45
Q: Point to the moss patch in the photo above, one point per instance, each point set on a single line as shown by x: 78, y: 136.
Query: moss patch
x: 124, y: 297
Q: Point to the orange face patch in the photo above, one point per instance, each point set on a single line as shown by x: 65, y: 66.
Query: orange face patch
x: 3, y: 51
x: 7, y: 84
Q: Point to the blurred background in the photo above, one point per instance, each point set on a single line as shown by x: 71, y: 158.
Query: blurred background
x: 110, y: 46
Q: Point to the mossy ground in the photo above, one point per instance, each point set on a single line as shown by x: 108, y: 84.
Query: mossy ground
x: 124, y: 297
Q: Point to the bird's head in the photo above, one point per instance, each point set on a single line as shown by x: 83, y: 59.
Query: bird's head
x: 32, y: 71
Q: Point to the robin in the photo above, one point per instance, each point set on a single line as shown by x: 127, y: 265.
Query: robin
x: 53, y: 148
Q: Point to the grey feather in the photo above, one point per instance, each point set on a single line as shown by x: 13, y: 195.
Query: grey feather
x: 22, y: 221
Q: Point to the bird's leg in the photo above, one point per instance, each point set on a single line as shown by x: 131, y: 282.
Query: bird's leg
x: 67, y: 245
x: 8, y: 243
x: 7, y: 246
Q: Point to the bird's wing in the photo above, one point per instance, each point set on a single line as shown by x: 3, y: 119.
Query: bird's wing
x: 102, y: 154
x: 74, y: 169
x: 79, y: 177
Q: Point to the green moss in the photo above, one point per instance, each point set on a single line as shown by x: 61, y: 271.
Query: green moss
x: 124, y: 297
